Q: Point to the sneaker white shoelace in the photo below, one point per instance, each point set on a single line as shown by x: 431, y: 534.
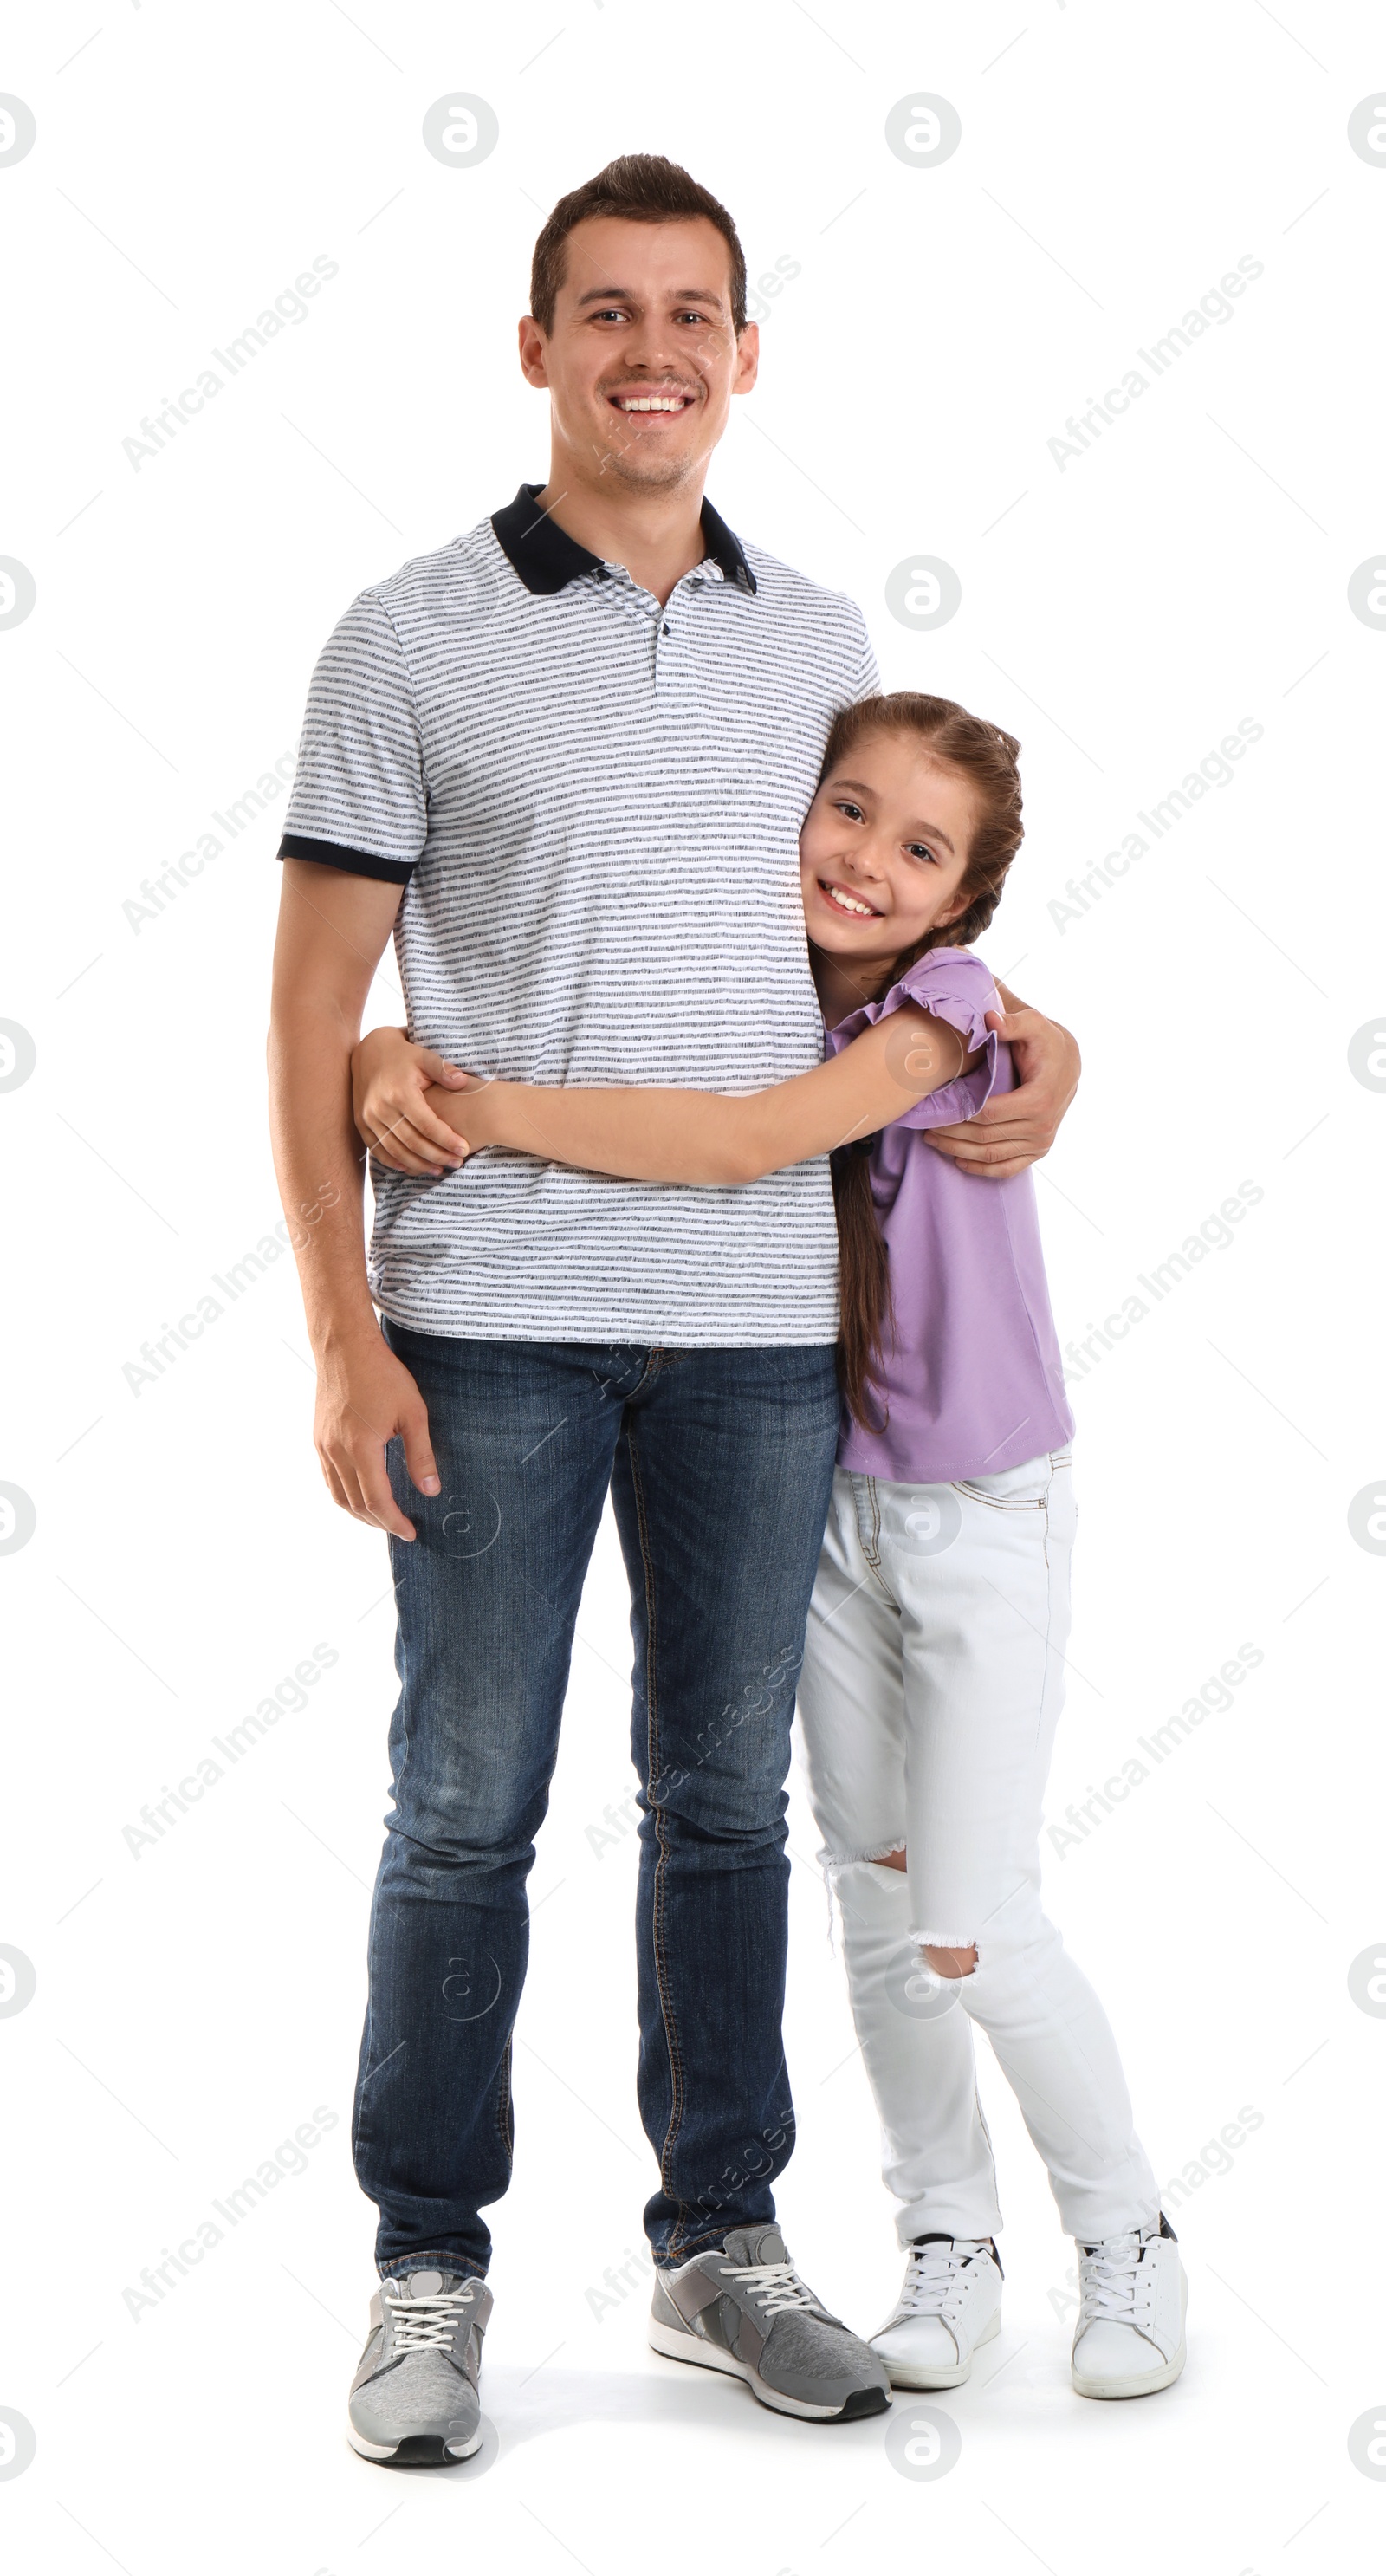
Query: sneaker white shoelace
x: 934, y: 2284
x: 776, y: 2285
x: 419, y: 2323
x: 1114, y: 2283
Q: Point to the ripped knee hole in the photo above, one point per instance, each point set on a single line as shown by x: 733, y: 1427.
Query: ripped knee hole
x: 956, y: 1962
x: 950, y: 1963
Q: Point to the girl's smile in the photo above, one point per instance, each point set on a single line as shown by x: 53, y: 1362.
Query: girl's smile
x: 855, y: 906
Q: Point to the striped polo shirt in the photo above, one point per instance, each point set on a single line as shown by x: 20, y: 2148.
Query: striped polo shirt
x: 593, y: 806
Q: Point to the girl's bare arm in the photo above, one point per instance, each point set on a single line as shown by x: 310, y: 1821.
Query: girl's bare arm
x: 710, y: 1138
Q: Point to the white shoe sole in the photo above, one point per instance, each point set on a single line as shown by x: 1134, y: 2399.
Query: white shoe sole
x: 918, y: 2374
x: 682, y: 2346
x: 449, y: 2451
x: 1146, y: 2382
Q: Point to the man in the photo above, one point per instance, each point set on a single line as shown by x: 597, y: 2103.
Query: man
x: 520, y: 755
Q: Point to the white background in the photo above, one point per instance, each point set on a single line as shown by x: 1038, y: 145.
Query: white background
x: 196, y: 2002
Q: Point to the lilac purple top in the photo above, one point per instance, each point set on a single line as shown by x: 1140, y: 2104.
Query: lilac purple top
x: 974, y: 1381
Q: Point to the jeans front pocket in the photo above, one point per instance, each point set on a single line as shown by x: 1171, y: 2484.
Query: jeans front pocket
x: 1015, y: 1489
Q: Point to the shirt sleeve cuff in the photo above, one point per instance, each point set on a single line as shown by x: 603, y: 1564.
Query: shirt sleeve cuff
x: 353, y: 863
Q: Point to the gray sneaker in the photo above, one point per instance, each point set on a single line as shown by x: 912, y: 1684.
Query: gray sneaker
x: 744, y: 2309
x: 414, y: 2399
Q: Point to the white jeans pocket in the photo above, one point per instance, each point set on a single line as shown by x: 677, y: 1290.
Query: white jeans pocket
x: 1023, y: 1488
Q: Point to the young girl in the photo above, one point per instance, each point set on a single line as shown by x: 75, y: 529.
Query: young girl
x: 933, y: 1669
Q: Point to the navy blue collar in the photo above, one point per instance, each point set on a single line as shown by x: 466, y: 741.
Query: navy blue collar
x: 547, y: 560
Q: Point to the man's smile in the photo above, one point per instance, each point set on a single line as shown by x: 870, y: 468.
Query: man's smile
x: 663, y: 399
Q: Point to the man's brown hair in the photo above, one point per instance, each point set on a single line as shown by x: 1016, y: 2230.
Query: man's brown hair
x: 644, y: 188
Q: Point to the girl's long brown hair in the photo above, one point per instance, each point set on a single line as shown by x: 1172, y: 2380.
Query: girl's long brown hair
x: 987, y: 758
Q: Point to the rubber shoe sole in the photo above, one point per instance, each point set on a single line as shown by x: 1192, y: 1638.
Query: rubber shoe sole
x: 416, y: 2450
x: 1149, y: 2381
x: 904, y: 2374
x: 705, y: 2356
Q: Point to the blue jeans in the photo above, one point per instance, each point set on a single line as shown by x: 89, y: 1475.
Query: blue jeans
x: 720, y: 1464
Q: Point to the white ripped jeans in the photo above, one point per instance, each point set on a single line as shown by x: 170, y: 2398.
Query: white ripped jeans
x: 932, y: 1683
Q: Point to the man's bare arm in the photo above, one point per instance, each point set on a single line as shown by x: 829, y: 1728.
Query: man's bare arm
x: 332, y: 932
x: 1017, y: 1127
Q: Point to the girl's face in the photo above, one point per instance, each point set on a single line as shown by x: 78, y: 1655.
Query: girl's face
x: 884, y: 849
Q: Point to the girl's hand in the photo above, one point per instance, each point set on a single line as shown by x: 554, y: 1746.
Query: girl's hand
x: 389, y: 1080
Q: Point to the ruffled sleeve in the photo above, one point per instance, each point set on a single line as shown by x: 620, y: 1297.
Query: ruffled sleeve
x: 953, y: 985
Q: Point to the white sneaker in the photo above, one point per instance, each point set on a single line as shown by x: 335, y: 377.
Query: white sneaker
x: 1129, y: 2339
x: 951, y: 2302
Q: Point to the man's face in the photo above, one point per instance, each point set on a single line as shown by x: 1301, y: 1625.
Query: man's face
x: 643, y: 360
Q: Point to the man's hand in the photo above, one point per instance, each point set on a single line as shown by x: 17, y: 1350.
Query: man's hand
x: 1017, y: 1127
x: 365, y: 1396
